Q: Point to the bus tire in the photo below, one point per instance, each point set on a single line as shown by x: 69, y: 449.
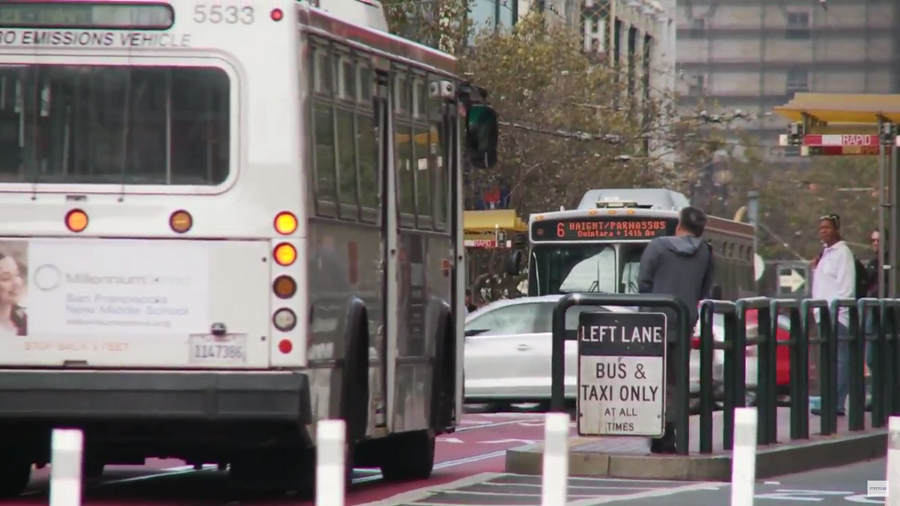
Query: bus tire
x: 14, y: 477
x: 354, y: 407
x: 443, y: 384
x: 409, y: 456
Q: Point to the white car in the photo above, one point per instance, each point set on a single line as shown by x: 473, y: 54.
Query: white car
x: 718, y: 357
x: 508, y: 350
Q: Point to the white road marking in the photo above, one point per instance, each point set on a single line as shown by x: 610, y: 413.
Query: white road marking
x: 413, y: 496
x: 508, y: 441
x: 503, y: 494
x: 571, y: 486
x: 650, y: 494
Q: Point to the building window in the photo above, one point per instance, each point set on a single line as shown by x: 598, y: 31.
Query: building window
x: 632, y: 54
x: 491, y: 14
x: 797, y: 81
x: 798, y: 25
x: 697, y: 86
x: 698, y: 28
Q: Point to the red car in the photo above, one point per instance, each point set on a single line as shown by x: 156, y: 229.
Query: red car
x: 783, y: 361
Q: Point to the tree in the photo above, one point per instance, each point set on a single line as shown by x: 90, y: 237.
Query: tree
x: 569, y: 122
x: 795, y: 198
x: 793, y: 194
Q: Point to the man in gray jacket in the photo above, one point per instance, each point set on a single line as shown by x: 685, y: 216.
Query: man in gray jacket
x: 680, y: 265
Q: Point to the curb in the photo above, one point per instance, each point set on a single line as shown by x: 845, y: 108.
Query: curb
x: 832, y: 451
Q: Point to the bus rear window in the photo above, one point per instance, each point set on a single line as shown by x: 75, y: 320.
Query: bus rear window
x: 116, y: 125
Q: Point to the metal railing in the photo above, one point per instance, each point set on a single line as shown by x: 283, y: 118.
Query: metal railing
x: 871, y: 323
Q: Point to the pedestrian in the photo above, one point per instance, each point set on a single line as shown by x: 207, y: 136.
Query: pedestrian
x: 680, y: 266
x: 872, y: 271
x: 834, y: 277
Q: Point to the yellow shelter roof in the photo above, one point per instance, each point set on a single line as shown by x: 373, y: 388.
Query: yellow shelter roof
x: 852, y: 109
x: 488, y: 221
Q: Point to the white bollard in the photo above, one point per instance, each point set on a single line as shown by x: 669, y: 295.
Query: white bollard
x: 555, y: 482
x: 743, y: 458
x: 330, y: 467
x: 893, y: 462
x: 65, y: 467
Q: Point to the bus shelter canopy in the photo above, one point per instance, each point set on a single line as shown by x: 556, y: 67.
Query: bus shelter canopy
x: 489, y: 221
x: 845, y: 108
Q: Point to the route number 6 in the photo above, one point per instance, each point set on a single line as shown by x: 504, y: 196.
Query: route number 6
x: 560, y: 230
x: 229, y: 15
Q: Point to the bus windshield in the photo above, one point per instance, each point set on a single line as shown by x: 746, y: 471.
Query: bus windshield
x: 103, y: 124
x: 587, y: 267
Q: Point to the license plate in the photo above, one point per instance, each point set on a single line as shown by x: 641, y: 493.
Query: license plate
x: 207, y: 349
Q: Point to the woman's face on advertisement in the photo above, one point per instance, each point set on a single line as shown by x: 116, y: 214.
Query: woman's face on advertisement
x: 11, y: 282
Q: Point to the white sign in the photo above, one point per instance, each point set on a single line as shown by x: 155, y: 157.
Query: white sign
x: 621, y: 378
x: 877, y: 488
x: 759, y: 267
x: 102, y: 287
x: 793, y: 280
x: 208, y: 349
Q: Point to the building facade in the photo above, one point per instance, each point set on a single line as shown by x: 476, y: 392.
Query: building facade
x: 637, y: 33
x: 753, y: 55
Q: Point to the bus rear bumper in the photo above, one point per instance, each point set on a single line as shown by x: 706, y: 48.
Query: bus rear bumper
x: 189, y: 396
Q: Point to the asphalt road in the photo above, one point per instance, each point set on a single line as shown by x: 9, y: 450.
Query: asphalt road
x: 838, y: 486
x: 829, y: 487
x: 469, y: 472
x: 478, y: 446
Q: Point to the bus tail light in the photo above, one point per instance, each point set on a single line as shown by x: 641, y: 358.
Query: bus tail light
x: 181, y: 221
x: 285, y: 346
x: 285, y: 223
x: 285, y: 254
x: 284, y: 319
x: 284, y: 287
x: 76, y: 220
x: 277, y: 15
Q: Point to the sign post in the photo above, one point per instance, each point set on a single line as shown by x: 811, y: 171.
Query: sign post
x: 622, y: 374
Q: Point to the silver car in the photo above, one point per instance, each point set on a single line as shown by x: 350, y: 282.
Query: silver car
x: 508, y: 350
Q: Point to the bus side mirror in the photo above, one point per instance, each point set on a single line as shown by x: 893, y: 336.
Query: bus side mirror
x: 715, y: 292
x: 514, y: 262
x: 482, y: 132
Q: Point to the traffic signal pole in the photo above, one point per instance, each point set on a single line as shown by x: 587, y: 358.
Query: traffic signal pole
x: 883, y: 206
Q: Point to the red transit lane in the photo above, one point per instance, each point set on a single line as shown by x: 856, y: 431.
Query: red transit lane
x: 478, y: 446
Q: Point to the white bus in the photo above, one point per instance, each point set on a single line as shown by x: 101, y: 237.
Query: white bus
x: 598, y: 246
x: 223, y: 222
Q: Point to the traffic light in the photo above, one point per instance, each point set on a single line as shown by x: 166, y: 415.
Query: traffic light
x: 482, y: 135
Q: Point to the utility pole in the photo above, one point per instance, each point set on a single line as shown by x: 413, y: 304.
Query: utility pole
x: 753, y: 218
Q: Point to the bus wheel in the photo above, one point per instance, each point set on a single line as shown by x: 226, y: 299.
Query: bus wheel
x: 410, y: 456
x: 14, y: 477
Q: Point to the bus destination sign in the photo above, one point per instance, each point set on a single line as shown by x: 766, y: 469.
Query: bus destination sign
x: 85, y: 15
x: 598, y: 228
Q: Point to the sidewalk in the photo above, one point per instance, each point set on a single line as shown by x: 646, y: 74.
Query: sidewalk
x: 626, y: 457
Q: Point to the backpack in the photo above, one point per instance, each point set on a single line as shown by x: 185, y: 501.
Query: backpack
x: 862, y: 278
